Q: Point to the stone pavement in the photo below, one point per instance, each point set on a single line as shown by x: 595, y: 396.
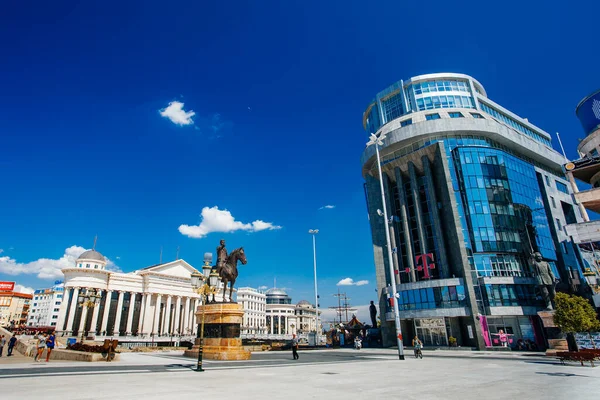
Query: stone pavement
x: 368, y: 373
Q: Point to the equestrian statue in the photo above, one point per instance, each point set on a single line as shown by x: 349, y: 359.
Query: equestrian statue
x: 227, y: 267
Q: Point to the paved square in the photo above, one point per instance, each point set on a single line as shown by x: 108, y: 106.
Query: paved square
x: 368, y: 373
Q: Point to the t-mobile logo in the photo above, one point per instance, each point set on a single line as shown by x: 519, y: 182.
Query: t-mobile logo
x: 596, y: 108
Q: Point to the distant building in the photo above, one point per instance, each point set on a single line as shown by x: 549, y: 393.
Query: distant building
x: 254, y: 303
x: 45, y: 307
x: 14, y: 306
x: 472, y: 190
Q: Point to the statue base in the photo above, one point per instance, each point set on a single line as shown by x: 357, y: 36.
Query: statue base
x: 222, y: 340
x: 556, y: 340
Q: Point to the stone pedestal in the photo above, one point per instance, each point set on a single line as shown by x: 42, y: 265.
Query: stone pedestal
x: 222, y: 340
x: 556, y: 340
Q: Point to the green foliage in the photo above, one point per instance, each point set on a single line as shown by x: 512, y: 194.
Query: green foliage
x: 452, y: 341
x: 574, y: 314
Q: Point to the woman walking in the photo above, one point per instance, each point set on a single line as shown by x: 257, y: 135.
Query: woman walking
x: 50, y: 341
x: 40, y: 347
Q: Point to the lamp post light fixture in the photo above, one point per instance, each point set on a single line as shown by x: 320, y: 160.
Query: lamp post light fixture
x: 314, y: 232
x: 204, y: 284
x: 88, y: 299
x: 378, y: 141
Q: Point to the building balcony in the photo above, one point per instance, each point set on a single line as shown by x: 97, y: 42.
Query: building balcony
x: 585, y: 232
x: 590, y: 199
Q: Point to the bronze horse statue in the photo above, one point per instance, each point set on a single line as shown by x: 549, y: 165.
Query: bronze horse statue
x: 228, y: 271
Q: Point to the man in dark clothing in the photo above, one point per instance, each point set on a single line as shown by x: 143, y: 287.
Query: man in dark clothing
x: 373, y: 311
x: 11, y: 344
x: 295, y: 346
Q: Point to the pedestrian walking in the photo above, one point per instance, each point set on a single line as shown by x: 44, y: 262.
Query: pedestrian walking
x: 2, y: 343
x: 40, y: 347
x: 11, y: 344
x: 50, y: 341
x: 295, y: 346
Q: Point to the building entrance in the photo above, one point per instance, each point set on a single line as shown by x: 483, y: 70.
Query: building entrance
x: 432, y: 331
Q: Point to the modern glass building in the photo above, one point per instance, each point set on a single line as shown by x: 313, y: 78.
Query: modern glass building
x: 474, y: 190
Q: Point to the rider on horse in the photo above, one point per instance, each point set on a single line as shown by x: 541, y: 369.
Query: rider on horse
x: 221, y: 256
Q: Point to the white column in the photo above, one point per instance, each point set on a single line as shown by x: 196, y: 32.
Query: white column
x: 63, y: 309
x: 156, y: 315
x: 95, y: 315
x: 193, y: 322
x: 176, y: 320
x: 143, y: 313
x: 132, y: 298
x: 106, y: 311
x: 72, y: 310
x: 84, y: 312
x: 119, y: 312
x: 167, y: 317
x: 186, y: 314
x: 279, y: 325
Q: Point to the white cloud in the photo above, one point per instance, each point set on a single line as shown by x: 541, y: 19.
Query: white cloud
x: 350, y: 282
x: 327, y: 207
x: 23, y: 289
x: 177, y: 114
x: 1, y: 251
x: 215, y: 220
x: 46, y: 268
x: 118, y: 258
x: 262, y: 287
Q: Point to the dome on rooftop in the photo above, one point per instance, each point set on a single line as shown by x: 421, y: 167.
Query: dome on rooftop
x: 92, y: 255
x: 304, y: 303
x: 276, y: 292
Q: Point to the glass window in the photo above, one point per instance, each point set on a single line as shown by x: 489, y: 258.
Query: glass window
x: 561, y: 187
x: 455, y: 115
x: 430, y: 117
x: 558, y: 225
x: 547, y: 180
x: 406, y: 122
x: 553, y: 202
x: 594, y: 152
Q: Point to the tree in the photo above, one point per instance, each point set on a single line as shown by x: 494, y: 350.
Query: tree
x: 574, y: 314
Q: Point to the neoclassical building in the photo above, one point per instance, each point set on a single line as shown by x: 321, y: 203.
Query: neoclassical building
x: 150, y: 304
x: 254, y: 303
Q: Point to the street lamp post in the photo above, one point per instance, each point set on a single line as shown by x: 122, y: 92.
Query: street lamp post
x: 88, y: 299
x: 314, y: 232
x: 204, y: 284
x: 378, y: 141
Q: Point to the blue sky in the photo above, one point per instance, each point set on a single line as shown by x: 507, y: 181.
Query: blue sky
x: 278, y: 90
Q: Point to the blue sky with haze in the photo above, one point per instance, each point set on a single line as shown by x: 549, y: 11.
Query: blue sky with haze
x: 143, y: 121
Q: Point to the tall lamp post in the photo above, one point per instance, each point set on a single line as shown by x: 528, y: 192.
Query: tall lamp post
x: 314, y: 232
x: 204, y: 284
x: 88, y: 299
x: 378, y: 141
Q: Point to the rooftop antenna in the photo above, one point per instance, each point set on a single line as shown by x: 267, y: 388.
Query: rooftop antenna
x: 561, y: 146
x: 160, y: 260
x: 177, y: 258
x: 95, y: 240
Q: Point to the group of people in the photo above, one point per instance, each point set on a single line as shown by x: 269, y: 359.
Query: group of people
x: 11, y: 344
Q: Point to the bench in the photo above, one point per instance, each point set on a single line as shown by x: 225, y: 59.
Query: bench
x: 580, y: 356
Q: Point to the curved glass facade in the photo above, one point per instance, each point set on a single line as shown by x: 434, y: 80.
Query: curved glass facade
x: 403, y: 98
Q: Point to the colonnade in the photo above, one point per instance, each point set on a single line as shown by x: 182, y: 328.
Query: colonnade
x: 157, y: 314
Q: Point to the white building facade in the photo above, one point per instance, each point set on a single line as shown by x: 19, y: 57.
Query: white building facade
x: 153, y: 304
x: 45, y: 306
x: 254, y: 303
